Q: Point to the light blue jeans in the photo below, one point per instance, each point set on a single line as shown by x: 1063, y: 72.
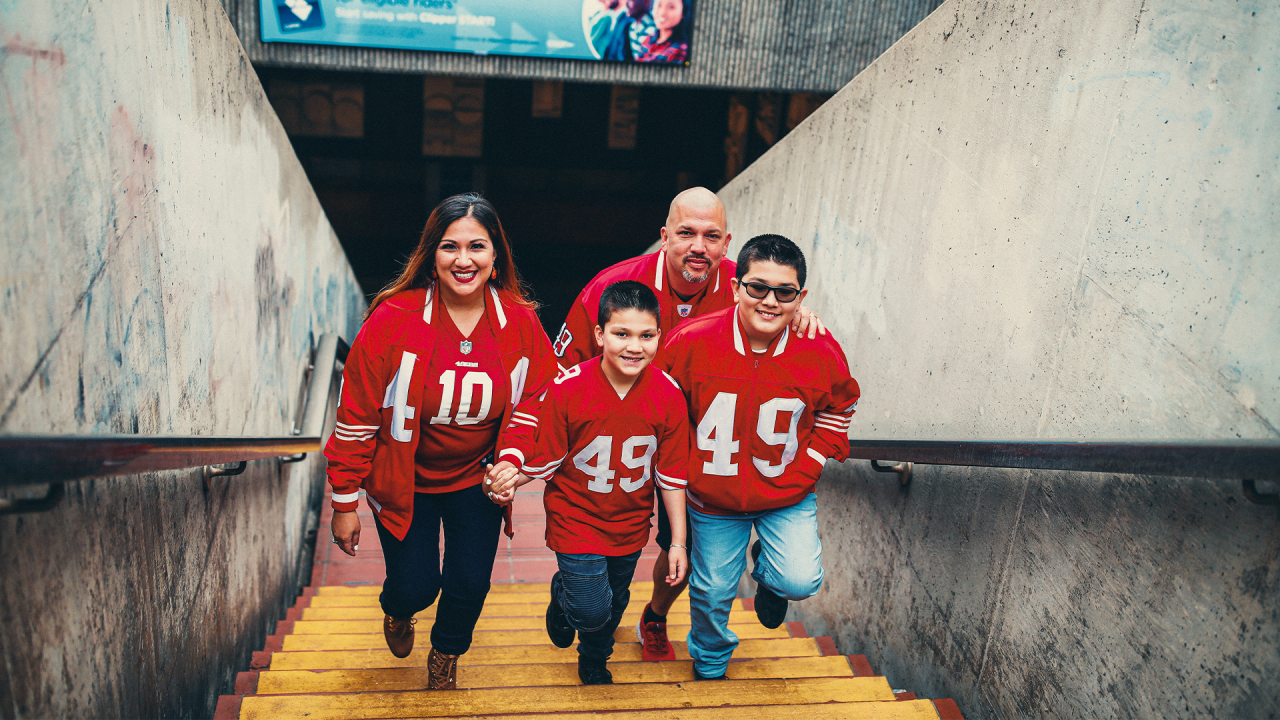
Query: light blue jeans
x: 790, y: 565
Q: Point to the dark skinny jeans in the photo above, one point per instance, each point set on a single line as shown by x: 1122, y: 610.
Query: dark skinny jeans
x: 593, y: 591
x: 414, y: 578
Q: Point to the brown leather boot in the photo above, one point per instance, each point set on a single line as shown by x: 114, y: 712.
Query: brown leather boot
x: 399, y: 635
x: 442, y: 671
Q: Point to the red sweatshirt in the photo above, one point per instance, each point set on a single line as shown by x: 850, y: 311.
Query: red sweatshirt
x: 577, y: 341
x: 765, y: 422
x: 381, y: 409
x: 598, y: 453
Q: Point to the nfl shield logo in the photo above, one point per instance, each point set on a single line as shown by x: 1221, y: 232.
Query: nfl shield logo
x: 466, y: 347
x: 684, y: 310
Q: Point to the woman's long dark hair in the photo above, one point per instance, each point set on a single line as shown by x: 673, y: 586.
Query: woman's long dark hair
x: 419, y: 270
x: 683, y: 32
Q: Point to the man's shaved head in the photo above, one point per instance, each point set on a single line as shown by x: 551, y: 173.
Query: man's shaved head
x: 695, y: 239
x: 696, y: 199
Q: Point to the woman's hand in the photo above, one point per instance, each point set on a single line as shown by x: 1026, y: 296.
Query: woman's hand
x: 807, y: 319
x: 346, y: 531
x: 501, y: 481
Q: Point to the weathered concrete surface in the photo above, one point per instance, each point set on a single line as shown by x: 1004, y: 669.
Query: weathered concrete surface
x: 166, y: 269
x: 1044, y: 220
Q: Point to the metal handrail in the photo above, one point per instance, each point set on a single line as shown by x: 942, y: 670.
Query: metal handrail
x: 1244, y: 460
x: 28, y: 459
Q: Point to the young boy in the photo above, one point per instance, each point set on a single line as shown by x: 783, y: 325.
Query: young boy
x: 604, y: 428
x: 769, y: 408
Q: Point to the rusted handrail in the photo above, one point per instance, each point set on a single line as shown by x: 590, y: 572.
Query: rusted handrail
x: 27, y: 459
x: 1245, y: 460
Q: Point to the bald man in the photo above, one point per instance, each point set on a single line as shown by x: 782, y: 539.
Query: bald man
x: 690, y: 277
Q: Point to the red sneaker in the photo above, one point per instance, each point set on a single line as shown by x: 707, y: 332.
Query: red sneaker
x: 653, y: 640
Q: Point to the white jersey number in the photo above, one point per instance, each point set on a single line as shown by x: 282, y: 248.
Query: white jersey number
x: 715, y: 434
x: 470, y: 382
x: 637, y: 453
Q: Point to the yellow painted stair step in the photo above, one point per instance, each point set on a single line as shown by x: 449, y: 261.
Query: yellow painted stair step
x: 905, y: 710
x: 492, y: 598
x: 576, y: 698
x: 645, y: 586
x: 490, y: 676
x: 522, y: 654
x: 519, y: 622
x: 372, y: 611
x: 361, y: 641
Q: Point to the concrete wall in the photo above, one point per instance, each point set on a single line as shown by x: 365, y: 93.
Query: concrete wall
x: 166, y: 270
x: 1050, y: 220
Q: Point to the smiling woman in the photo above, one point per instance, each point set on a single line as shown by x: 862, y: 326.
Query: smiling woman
x: 456, y: 336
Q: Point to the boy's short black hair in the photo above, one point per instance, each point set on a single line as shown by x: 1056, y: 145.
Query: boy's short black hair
x: 627, y: 295
x: 773, y: 248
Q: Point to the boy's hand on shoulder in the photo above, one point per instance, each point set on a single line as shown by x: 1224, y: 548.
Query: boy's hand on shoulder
x: 678, y: 564
x: 807, y: 319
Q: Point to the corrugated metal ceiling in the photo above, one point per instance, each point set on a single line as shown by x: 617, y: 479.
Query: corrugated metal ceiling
x: 779, y: 45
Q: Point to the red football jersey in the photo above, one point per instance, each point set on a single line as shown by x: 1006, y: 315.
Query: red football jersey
x: 597, y: 453
x: 381, y: 409
x: 466, y: 390
x: 577, y: 340
x: 765, y: 422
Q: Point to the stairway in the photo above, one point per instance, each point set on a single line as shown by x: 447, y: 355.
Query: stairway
x: 328, y: 658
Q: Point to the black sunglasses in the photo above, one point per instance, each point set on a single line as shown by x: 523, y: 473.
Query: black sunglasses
x: 760, y: 291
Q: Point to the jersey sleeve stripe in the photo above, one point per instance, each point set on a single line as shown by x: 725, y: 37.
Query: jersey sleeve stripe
x: 540, y: 468
x: 525, y: 416
x: 345, y: 426
x: 832, y: 428
x: 674, y: 482
x: 346, y: 497
x: 544, y: 475
x: 832, y: 423
x: 353, y: 438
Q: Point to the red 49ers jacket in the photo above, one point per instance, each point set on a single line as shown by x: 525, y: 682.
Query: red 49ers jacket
x: 576, y: 341
x: 380, y: 404
x: 764, y: 423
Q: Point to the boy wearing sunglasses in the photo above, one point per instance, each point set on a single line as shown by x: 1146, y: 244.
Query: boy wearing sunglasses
x: 769, y: 408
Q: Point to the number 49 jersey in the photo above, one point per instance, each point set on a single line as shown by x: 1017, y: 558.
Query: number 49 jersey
x: 601, y: 456
x: 765, y: 423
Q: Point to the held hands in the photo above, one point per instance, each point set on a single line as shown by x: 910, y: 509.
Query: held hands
x: 501, y: 481
x: 807, y: 319
x: 346, y: 531
x: 677, y: 565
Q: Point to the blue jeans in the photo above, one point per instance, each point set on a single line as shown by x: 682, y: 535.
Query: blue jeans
x: 472, y: 525
x: 593, y: 591
x: 790, y: 565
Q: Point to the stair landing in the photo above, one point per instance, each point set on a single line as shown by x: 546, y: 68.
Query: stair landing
x: 328, y: 658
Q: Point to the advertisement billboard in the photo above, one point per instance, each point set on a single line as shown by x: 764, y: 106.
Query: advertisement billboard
x: 649, y: 31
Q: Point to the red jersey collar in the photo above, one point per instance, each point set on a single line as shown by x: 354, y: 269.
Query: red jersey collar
x: 779, y: 343
x: 492, y: 302
x: 660, y: 273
